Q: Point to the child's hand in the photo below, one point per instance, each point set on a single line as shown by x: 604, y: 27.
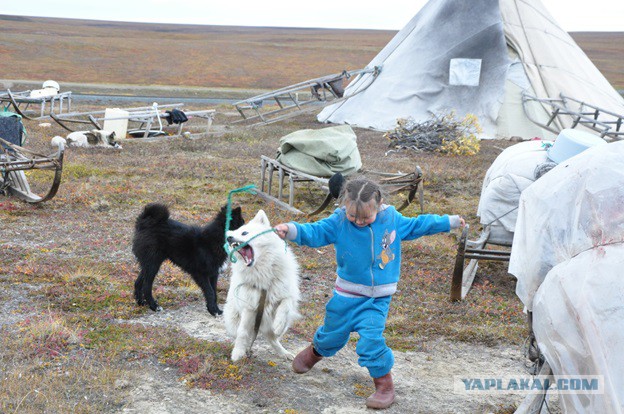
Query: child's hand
x: 462, y: 222
x: 281, y: 230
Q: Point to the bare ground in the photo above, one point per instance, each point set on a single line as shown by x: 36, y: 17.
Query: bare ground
x: 423, y: 380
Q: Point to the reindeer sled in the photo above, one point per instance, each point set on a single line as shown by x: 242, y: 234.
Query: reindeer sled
x: 18, y: 165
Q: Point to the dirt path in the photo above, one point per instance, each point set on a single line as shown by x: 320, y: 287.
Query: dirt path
x: 423, y: 380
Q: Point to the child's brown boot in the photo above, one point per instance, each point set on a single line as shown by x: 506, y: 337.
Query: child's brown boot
x: 305, y: 360
x: 384, y: 393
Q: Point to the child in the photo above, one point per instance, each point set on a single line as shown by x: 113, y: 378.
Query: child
x: 366, y: 235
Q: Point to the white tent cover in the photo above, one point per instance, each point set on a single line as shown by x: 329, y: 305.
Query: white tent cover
x: 475, y: 57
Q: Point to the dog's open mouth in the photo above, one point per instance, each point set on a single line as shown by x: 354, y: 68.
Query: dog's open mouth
x: 246, y: 252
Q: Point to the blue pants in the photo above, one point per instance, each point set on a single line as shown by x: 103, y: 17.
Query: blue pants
x: 367, y: 317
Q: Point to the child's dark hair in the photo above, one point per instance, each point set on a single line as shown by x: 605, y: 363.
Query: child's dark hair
x: 360, y: 191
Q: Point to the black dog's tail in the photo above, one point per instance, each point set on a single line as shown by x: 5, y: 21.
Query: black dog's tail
x: 152, y: 215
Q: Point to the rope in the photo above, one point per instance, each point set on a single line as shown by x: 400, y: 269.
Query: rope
x: 228, y: 218
x: 251, y: 189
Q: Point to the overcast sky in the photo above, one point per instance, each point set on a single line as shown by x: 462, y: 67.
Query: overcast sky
x: 572, y: 15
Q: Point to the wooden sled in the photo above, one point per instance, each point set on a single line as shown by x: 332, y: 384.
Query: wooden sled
x: 15, y: 160
x: 299, y: 98
x: 608, y: 124
x: 21, y: 101
x: 409, y: 183
x: 475, y: 250
x: 146, y: 121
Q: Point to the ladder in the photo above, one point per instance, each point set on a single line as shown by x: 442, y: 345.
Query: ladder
x: 608, y: 124
x: 299, y: 98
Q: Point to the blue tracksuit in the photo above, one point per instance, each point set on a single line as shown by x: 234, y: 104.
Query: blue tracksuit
x: 368, y: 268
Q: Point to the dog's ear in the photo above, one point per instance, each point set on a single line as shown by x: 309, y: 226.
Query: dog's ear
x: 237, y: 212
x: 262, y: 218
x: 336, y: 182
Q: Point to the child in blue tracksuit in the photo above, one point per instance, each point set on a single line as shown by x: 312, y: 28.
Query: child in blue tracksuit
x: 367, y: 237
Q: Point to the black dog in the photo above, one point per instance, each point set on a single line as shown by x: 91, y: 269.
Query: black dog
x: 196, y: 250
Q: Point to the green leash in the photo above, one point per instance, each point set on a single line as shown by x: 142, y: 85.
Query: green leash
x: 228, y: 218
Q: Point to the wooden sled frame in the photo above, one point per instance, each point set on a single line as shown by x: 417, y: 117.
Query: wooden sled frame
x: 144, y: 117
x: 17, y: 99
x: 14, y: 160
x: 463, y: 276
x: 609, y: 124
x: 300, y: 98
x: 392, y: 184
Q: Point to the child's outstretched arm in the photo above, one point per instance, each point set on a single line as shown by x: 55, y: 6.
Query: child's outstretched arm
x: 317, y: 234
x: 426, y: 224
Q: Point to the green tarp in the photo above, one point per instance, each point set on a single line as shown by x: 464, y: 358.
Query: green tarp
x: 321, y: 152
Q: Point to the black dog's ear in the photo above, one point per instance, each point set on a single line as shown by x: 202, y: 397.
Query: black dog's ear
x: 335, y: 184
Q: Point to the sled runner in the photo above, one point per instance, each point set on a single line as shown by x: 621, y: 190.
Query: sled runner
x: 16, y: 162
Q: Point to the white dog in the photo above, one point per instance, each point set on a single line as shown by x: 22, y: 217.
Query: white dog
x: 93, y: 138
x: 265, y: 269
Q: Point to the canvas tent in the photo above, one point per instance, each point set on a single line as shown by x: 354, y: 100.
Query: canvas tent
x: 476, y: 57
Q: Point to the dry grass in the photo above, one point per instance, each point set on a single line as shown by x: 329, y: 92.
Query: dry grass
x: 236, y: 57
x: 83, y: 51
x: 70, y: 258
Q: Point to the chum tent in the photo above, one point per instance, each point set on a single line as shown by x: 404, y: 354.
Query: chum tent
x: 476, y: 57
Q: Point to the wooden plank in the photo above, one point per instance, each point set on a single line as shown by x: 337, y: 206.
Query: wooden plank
x: 279, y: 203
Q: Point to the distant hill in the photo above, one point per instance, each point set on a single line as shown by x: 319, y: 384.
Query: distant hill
x: 88, y: 51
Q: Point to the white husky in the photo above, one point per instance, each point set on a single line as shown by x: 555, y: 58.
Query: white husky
x: 265, y: 269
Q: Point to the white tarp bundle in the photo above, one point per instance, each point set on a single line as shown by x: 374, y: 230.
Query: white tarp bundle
x: 568, y: 256
x: 577, y: 206
x: 475, y: 57
x: 578, y: 315
x: 510, y: 173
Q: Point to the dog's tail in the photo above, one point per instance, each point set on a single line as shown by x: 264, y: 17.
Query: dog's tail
x: 152, y: 214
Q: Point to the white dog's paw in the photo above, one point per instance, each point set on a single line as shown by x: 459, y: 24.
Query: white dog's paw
x: 238, y: 354
x: 289, y: 356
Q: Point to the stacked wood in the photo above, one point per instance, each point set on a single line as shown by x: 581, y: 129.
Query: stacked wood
x: 431, y: 135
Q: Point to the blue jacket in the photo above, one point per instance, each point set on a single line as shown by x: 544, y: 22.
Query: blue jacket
x: 368, y: 257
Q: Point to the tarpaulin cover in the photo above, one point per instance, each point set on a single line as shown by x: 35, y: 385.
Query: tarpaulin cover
x: 568, y: 256
x: 575, y: 207
x: 510, y: 173
x: 321, y: 152
x: 578, y: 320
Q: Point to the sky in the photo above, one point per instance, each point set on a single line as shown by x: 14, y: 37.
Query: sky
x: 572, y: 15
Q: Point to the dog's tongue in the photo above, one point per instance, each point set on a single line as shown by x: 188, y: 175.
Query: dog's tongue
x: 247, y: 253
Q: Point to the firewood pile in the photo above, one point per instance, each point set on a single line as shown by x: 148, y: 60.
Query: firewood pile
x: 441, y: 133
